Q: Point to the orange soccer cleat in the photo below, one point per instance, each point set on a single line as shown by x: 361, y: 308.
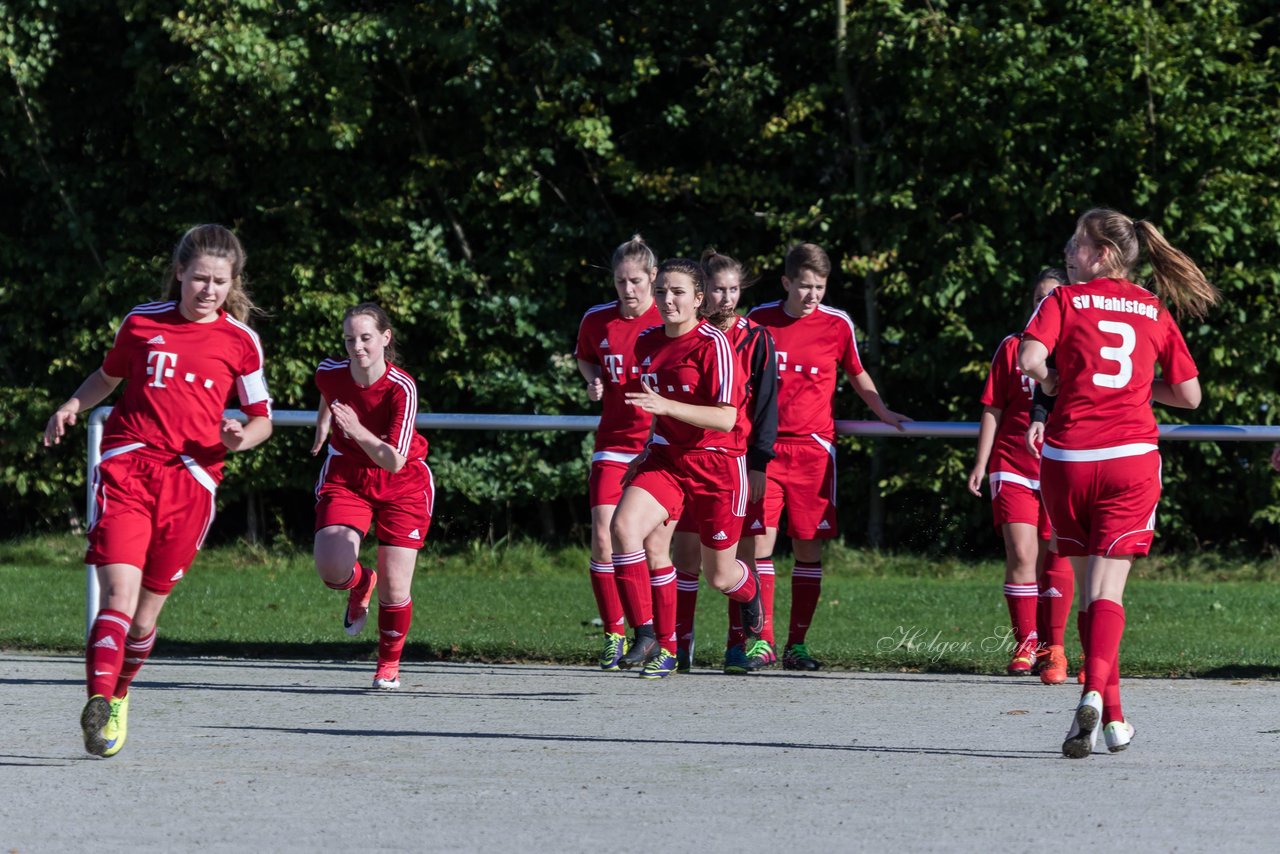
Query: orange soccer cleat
x: 1053, y: 669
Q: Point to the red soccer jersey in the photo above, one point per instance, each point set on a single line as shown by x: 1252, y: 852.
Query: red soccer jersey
x: 1107, y: 335
x: 608, y: 339
x: 1010, y: 390
x: 387, y: 409
x: 811, y: 351
x: 178, y: 380
x: 699, y: 367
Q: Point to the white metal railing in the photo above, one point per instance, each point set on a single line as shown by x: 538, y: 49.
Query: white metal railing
x: 587, y: 423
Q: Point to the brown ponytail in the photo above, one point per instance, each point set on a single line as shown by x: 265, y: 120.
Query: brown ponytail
x: 1178, y: 280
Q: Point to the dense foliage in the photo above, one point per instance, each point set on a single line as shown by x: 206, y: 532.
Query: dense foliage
x: 470, y: 164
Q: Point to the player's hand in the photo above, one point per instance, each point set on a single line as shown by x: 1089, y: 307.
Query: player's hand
x: 648, y: 400
x: 975, y: 481
x: 347, y: 421
x: 1275, y: 458
x: 1035, y: 438
x: 894, y: 419
x: 595, y: 389
x: 634, y: 466
x: 232, y: 434
x: 756, y: 483
x: 321, y: 437
x: 57, y: 426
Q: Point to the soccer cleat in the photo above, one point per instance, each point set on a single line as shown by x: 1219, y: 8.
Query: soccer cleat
x: 1117, y: 734
x: 1023, y: 659
x: 661, y: 665
x: 117, y: 725
x: 760, y: 654
x: 1083, y: 735
x: 1053, y: 668
x: 684, y: 659
x: 615, y: 646
x: 357, y: 610
x: 92, y: 720
x: 797, y: 657
x: 735, y: 660
x: 642, y: 649
x: 387, y: 677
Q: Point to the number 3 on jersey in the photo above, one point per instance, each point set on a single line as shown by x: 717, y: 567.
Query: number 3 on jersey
x: 1119, y: 355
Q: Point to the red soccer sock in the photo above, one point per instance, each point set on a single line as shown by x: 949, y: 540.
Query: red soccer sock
x: 632, y: 576
x: 764, y: 569
x: 393, y: 628
x: 104, y: 651
x: 1021, y: 599
x: 605, y: 588
x: 686, y: 607
x: 1106, y: 627
x: 806, y: 590
x: 1057, y: 587
x: 359, y: 576
x: 736, y: 634
x: 746, y: 587
x: 662, y: 584
x: 136, y: 651
x: 1111, y: 708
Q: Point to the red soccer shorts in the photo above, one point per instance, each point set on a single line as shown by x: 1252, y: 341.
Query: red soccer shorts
x: 707, y: 486
x: 152, y: 511
x: 605, y: 481
x: 1102, y: 507
x: 355, y: 496
x: 802, y: 475
x: 1014, y: 501
x: 752, y: 522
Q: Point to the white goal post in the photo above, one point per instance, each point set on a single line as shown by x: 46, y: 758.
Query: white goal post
x: 587, y: 423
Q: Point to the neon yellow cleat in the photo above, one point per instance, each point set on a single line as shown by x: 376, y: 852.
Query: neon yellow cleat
x: 117, y: 725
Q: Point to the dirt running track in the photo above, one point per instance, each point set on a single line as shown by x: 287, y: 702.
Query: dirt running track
x: 228, y: 755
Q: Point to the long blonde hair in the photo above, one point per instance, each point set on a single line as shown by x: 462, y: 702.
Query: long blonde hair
x: 1178, y: 280
x: 215, y: 241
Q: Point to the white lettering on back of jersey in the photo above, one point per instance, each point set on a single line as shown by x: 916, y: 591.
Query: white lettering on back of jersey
x: 162, y: 367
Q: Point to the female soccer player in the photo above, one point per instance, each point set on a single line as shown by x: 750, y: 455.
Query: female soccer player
x: 814, y: 344
x: 691, y: 386
x: 606, y: 339
x: 1031, y: 570
x: 162, y: 455
x: 758, y: 418
x: 376, y: 469
x: 1100, y: 473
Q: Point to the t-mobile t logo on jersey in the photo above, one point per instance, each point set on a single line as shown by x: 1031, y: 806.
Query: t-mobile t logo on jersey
x: 650, y: 380
x: 783, y: 367
x: 782, y: 362
x: 162, y: 368
x: 614, y: 368
x: 1028, y: 385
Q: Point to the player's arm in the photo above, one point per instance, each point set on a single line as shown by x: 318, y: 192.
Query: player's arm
x: 323, y: 419
x: 242, y: 437
x: 986, y: 441
x: 592, y: 373
x: 1033, y: 360
x: 384, y: 455
x: 1184, y: 395
x: 866, y: 389
x: 764, y: 415
x: 91, y: 392
x: 720, y: 416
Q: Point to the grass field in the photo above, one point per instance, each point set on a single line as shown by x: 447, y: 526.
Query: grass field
x: 1201, y: 616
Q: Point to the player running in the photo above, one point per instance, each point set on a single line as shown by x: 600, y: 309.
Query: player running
x: 691, y: 386
x: 758, y: 419
x: 1033, y: 573
x: 813, y: 343
x: 376, y: 469
x: 606, y: 339
x: 1100, y: 473
x: 162, y: 456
